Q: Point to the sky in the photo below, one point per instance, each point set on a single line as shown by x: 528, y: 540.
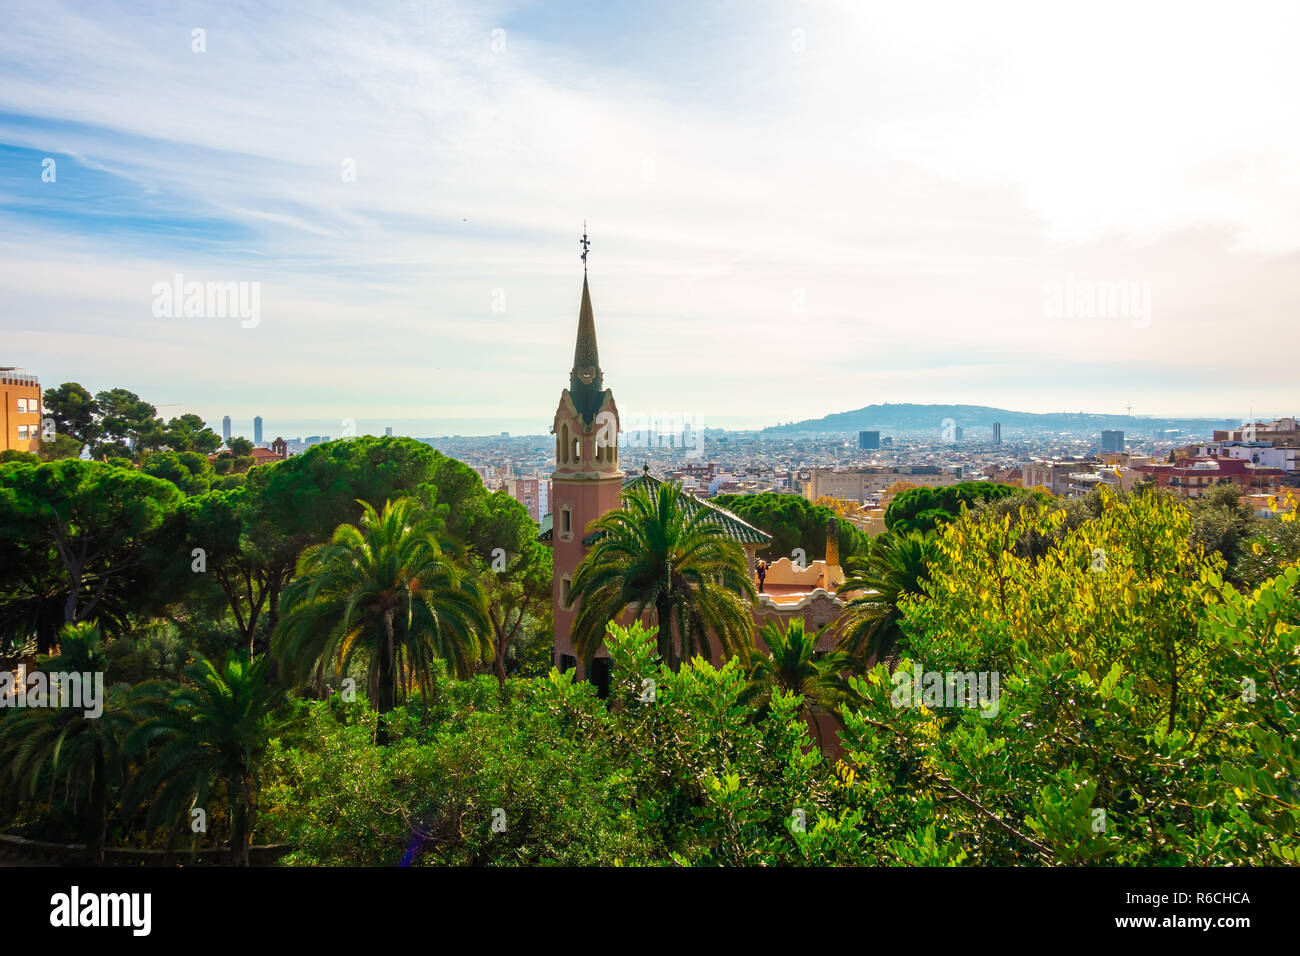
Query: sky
x: 794, y: 209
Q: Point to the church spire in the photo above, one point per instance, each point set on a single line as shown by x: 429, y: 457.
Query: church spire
x: 586, y: 384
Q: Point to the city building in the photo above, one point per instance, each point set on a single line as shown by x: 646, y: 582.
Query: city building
x: 20, y: 422
x: 868, y: 441
x: 997, y: 433
x: 225, y: 429
x: 533, y: 493
x: 257, y: 430
x: 858, y: 484
x: 1112, y: 440
x: 388, y: 431
x: 1053, y: 476
x: 1278, y: 430
x: 1192, y: 477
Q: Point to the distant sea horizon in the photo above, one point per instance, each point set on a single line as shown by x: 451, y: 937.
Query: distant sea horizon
x: 301, y: 428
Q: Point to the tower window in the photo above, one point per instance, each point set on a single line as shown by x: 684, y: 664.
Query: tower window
x: 566, y: 522
x: 566, y: 591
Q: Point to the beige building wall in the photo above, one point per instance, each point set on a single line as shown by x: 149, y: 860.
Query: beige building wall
x: 856, y: 484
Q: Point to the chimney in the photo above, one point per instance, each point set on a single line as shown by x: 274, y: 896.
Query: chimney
x: 832, y: 545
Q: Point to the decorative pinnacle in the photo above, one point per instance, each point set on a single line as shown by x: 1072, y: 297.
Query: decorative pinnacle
x: 585, y: 243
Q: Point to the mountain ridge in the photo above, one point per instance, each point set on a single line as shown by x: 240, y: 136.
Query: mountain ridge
x: 911, y: 417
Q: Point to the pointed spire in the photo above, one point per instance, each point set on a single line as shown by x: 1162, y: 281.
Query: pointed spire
x: 586, y: 383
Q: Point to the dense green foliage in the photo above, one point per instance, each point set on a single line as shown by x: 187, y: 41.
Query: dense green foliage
x: 1118, y: 678
x: 924, y: 509
x: 656, y: 554
x: 793, y: 522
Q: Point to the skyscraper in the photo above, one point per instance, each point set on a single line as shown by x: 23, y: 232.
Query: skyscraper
x: 868, y: 441
x: 1112, y: 440
x: 257, y: 430
x: 225, y: 429
x: 388, y: 431
x: 997, y: 433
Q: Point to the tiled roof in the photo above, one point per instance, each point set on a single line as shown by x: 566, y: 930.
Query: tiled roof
x: 737, y: 528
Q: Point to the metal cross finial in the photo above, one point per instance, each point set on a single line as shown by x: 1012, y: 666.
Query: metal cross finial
x: 585, y: 243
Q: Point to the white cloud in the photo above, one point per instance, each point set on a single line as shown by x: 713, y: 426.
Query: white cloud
x: 915, y: 174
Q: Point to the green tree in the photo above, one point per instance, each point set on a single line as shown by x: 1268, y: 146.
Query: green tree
x: 792, y: 666
x: 299, y: 502
x: 188, y: 433
x: 189, y: 471
x: 127, y: 426
x: 384, y: 588
x: 239, y: 447
x: 654, y: 552
x: 924, y: 509
x: 514, y: 568
x: 204, y: 740
x: 793, y: 522
x: 72, y: 751
x: 1222, y: 521
x: 63, y: 446
x: 108, y: 526
x: 74, y: 411
x: 896, y: 566
x: 216, y: 522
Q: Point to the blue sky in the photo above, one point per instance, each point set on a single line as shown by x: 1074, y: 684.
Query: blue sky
x: 795, y: 208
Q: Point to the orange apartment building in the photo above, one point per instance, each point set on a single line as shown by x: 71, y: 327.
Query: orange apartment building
x: 20, y: 422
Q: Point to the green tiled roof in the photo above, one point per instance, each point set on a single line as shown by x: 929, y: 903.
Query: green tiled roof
x: 547, y: 523
x: 737, y: 528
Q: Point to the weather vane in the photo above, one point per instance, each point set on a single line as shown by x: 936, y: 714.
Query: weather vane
x: 585, y: 243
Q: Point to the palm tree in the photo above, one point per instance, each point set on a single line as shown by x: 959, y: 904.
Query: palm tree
x: 384, y: 587
x: 214, y: 728
x: 656, y: 552
x: 790, y: 667
x: 64, y: 747
x: 897, y: 565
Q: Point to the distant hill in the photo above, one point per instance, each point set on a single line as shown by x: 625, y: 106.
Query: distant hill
x: 912, y: 419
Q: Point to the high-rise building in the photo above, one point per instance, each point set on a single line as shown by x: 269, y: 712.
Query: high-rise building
x: 1112, y: 440
x: 257, y: 430
x: 997, y: 433
x: 20, y: 419
x: 225, y: 429
x: 388, y: 431
x: 532, y: 493
x: 868, y: 441
x: 959, y: 433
